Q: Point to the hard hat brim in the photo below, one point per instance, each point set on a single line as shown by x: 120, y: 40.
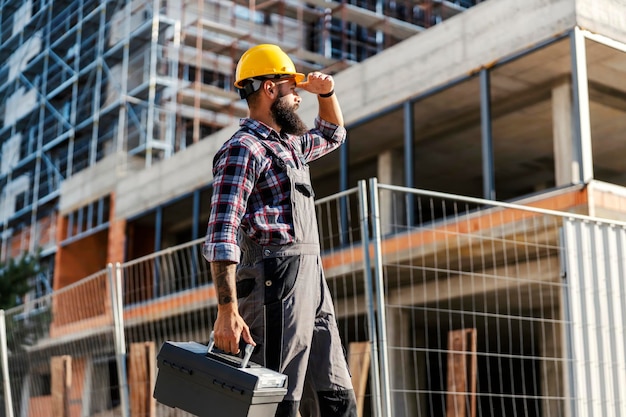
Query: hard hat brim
x: 298, y: 77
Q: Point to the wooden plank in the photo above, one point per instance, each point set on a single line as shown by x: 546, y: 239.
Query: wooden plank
x: 60, y: 384
x: 141, y: 379
x: 40, y: 406
x: 462, y: 368
x: 359, y: 362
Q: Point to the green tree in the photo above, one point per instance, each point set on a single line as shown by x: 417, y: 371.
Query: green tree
x: 14, y: 277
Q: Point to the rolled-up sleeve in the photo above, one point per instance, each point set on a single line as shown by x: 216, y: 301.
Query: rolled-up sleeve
x: 323, y: 139
x: 221, y: 252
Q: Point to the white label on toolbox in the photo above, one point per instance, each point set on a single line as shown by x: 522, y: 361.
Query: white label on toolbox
x: 268, y: 378
x: 271, y: 381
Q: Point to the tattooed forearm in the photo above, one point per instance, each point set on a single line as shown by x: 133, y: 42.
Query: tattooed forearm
x: 224, y: 279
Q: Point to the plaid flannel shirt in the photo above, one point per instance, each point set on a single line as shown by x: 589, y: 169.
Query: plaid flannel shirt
x: 252, y: 193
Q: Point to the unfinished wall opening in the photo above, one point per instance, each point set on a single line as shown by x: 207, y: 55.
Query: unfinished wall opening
x: 606, y: 70
x: 528, y: 115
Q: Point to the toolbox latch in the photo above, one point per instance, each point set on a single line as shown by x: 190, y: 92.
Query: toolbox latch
x: 226, y: 386
x: 178, y: 367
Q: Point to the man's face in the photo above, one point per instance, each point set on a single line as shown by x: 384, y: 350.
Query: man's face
x: 284, y: 109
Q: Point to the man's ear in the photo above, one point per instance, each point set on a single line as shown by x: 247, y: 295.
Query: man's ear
x: 269, y: 87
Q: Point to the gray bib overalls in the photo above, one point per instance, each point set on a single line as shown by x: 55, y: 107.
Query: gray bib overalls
x: 285, y: 300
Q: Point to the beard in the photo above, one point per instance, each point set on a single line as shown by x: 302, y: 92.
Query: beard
x: 285, y: 116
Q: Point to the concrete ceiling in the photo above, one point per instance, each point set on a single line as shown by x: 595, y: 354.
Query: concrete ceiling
x: 447, y: 127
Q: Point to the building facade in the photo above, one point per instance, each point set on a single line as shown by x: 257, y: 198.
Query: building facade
x: 139, y: 81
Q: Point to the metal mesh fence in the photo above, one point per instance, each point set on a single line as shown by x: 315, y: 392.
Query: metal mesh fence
x: 488, y: 314
x: 491, y: 272
x: 167, y: 296
x: 64, y: 337
x: 341, y: 222
x: 447, y: 306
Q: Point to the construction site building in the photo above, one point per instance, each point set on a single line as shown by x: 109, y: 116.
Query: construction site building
x: 86, y: 81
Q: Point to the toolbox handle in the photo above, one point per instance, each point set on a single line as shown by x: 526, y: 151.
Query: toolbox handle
x: 247, y: 351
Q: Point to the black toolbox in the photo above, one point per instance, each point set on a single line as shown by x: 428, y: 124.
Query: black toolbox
x: 194, y: 378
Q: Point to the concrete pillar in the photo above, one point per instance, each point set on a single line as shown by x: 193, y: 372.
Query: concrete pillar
x: 580, y: 103
x: 116, y: 242
x: 404, y: 378
x: 392, y: 205
x: 565, y: 166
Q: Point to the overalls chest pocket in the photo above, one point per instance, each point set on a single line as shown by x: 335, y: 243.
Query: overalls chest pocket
x: 305, y: 189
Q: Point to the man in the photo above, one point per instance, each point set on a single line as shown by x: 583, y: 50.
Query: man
x: 262, y: 238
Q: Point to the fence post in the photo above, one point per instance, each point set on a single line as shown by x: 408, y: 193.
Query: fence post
x: 117, y: 307
x: 380, y: 297
x: 369, y: 297
x: 568, y: 334
x: 4, y: 363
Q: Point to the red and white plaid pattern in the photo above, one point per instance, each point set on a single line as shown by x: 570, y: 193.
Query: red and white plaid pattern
x: 251, y: 192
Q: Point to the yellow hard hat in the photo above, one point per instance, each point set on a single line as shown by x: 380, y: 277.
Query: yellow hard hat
x: 265, y: 60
